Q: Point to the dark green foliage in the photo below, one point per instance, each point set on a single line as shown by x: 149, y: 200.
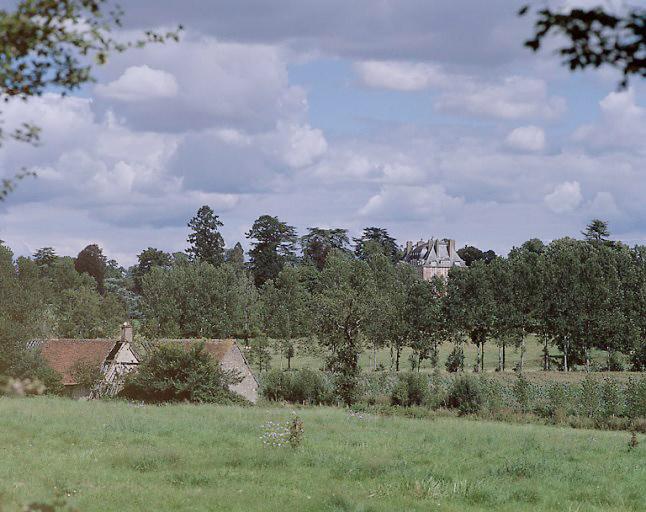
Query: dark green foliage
x: 171, y: 373
x: 379, y: 238
x: 616, y: 362
x: 411, y: 389
x: 471, y: 254
x: 636, y: 397
x: 590, y: 38
x: 465, y: 395
x: 523, y: 392
x: 206, y: 242
x: 147, y: 260
x: 92, y: 261
x: 319, y: 242
x: 28, y: 364
x: 455, y: 360
x: 273, y: 246
x: 301, y: 386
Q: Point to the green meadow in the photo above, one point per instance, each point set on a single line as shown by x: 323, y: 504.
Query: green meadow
x: 114, y: 456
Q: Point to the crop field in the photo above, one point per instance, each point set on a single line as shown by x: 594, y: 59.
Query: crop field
x: 115, y: 456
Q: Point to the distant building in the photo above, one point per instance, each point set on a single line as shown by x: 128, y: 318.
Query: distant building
x: 433, y: 257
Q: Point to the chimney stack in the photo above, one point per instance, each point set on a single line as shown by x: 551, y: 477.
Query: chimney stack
x: 126, y: 332
x: 409, y: 247
x: 451, y: 247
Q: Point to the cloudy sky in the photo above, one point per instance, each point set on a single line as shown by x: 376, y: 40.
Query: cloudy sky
x: 426, y: 117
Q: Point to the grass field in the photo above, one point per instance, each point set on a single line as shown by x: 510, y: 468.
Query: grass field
x: 112, y: 456
x: 533, y: 360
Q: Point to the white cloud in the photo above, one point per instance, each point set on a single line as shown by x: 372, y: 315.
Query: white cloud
x: 295, y: 144
x: 514, y: 98
x: 411, y: 203
x: 140, y: 83
x: 400, y: 76
x: 526, y: 138
x: 565, y: 197
x: 622, y: 125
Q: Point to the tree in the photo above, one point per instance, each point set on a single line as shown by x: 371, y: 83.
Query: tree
x: 597, y: 232
x: 147, y: 260
x: 469, y: 254
x: 54, y: 45
x: 45, y: 257
x: 318, y: 243
x: 207, y: 244
x: 170, y: 373
x: 591, y: 38
x: 92, y: 261
x: 424, y: 312
x: 381, y: 237
x: 285, y: 306
x: 342, y: 309
x: 235, y: 256
x: 470, y: 305
x: 273, y: 245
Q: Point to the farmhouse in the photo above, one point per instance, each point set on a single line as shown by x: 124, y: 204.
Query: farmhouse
x: 433, y: 257
x: 112, y: 359
x: 77, y: 360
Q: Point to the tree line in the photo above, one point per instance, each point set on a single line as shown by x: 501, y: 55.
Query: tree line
x: 322, y: 294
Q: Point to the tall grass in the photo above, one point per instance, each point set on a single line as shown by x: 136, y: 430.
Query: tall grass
x: 113, y: 456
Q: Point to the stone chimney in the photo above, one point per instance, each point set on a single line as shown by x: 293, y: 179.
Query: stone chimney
x: 409, y: 247
x: 126, y: 332
x: 451, y: 248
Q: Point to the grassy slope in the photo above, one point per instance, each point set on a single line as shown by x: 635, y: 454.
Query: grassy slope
x: 118, y: 457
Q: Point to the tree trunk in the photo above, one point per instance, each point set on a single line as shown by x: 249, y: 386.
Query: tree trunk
x: 482, y: 344
x: 289, y: 363
x: 398, y: 351
x: 477, y: 365
x: 546, y: 355
x: 504, y: 356
x: 565, y: 347
x: 500, y: 357
x: 374, y: 357
x: 587, y: 359
x: 522, y: 354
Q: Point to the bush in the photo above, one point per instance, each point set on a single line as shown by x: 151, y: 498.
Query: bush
x: 638, y: 358
x: 465, y: 395
x: 523, y: 393
x: 411, y: 389
x: 636, y: 398
x: 455, y: 360
x: 616, y: 362
x: 275, y: 385
x: 169, y: 373
x: 29, y: 364
x: 589, y: 398
x: 308, y: 386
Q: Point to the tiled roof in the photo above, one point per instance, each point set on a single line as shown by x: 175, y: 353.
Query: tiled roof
x: 63, y: 354
x: 217, y: 348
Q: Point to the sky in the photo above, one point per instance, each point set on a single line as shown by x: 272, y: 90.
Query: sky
x: 426, y: 117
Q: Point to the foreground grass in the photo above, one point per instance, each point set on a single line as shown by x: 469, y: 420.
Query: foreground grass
x: 111, y: 456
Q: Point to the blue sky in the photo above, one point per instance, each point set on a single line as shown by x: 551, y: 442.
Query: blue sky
x: 425, y: 117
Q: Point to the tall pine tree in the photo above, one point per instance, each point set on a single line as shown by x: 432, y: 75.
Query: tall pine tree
x: 206, y: 242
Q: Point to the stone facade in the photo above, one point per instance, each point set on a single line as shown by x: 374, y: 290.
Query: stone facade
x: 433, y: 257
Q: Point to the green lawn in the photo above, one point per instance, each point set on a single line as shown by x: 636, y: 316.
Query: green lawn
x: 111, y: 456
x: 533, y: 357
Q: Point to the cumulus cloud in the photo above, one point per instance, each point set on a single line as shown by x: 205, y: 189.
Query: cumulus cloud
x: 400, y: 76
x: 565, y: 197
x: 140, y: 83
x: 411, y: 203
x: 621, y: 126
x: 514, y: 97
x: 526, y: 138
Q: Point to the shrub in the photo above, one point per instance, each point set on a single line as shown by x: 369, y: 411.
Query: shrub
x: 589, y: 398
x: 611, y: 399
x: 411, y: 389
x: 638, y: 358
x: 308, y: 386
x: 465, y: 395
x: 455, y: 360
x: 616, y: 362
x: 523, y: 393
x: 636, y: 398
x: 29, y: 364
x: 275, y: 385
x: 169, y: 373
